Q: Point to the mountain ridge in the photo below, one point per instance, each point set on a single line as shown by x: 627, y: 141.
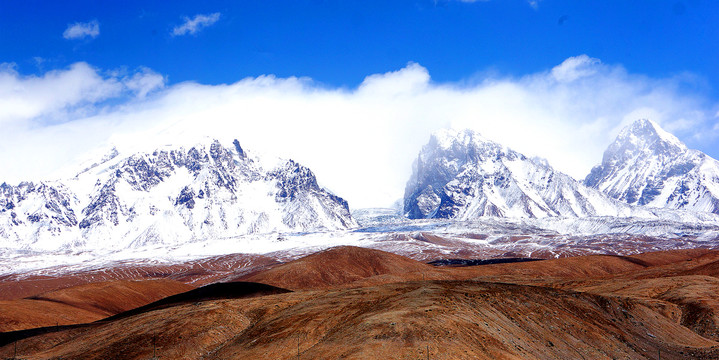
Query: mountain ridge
x: 647, y: 166
x: 462, y: 175
x: 167, y: 196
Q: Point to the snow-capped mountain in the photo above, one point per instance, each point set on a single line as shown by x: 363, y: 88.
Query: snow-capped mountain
x: 169, y: 196
x: 461, y: 175
x: 648, y: 166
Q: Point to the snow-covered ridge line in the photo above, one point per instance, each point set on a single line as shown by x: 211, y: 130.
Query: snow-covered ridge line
x: 169, y: 196
x: 461, y: 175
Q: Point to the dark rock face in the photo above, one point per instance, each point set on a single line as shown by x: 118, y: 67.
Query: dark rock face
x: 105, y: 206
x: 186, y: 198
x: 238, y: 148
x: 53, y: 204
x: 293, y: 179
x: 647, y: 166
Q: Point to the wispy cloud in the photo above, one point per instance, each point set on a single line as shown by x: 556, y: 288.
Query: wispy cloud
x: 80, y: 30
x: 195, y: 24
x: 369, y: 135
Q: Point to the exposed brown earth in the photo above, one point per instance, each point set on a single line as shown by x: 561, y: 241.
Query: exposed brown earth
x: 353, y: 303
x: 338, y: 266
x: 84, y: 303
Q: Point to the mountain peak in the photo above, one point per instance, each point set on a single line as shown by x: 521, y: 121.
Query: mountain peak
x: 646, y: 165
x: 446, y: 138
x: 646, y: 134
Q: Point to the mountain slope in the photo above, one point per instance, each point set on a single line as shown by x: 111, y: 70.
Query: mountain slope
x: 647, y: 166
x: 337, y: 266
x: 171, y: 195
x: 462, y: 175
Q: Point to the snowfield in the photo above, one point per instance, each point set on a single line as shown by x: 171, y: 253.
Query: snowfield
x: 386, y: 229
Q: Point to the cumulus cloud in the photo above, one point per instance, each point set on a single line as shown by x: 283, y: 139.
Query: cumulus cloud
x: 360, y: 142
x: 23, y: 98
x: 62, y: 95
x: 195, y: 24
x: 80, y: 30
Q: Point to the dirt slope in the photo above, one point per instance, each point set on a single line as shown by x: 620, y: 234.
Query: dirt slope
x: 450, y: 319
x: 84, y: 303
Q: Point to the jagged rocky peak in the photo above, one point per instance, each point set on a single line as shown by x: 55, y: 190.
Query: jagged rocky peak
x: 169, y: 195
x: 440, y: 161
x: 648, y: 166
x: 464, y: 145
x: 462, y: 175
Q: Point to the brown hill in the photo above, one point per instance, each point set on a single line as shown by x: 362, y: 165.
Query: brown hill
x: 84, y: 303
x: 338, y: 266
x: 367, y: 304
x: 26, y: 314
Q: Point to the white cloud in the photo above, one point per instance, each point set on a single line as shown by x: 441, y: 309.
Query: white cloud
x: 80, y: 30
x: 24, y: 98
x: 62, y: 95
x: 360, y: 142
x: 575, y: 68
x: 197, y: 23
x: 144, y: 81
x: 409, y: 80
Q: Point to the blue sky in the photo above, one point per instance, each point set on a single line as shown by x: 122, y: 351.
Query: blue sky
x: 556, y: 79
x: 341, y: 42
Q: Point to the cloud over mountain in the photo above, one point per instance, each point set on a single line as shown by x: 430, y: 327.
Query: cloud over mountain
x: 360, y: 141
